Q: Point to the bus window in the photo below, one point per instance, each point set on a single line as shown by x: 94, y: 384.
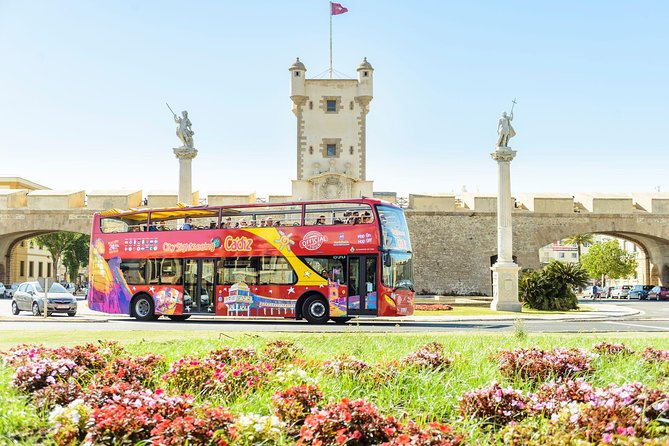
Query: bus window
x: 164, y: 271
x: 257, y: 217
x: 276, y: 271
x: 394, y: 230
x: 198, y: 223
x: 237, y: 269
x: 338, y: 214
x: 398, y: 270
x: 128, y: 223
x: 133, y: 271
x: 331, y: 268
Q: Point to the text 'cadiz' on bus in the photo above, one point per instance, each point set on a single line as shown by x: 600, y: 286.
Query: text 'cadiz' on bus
x: 318, y: 260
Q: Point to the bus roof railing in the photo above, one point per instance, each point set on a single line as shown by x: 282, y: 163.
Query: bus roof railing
x: 234, y: 209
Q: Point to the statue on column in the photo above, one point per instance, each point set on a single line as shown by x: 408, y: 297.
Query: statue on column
x: 504, y: 129
x: 184, y: 131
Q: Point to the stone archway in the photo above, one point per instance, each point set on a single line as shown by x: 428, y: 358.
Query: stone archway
x: 8, y: 243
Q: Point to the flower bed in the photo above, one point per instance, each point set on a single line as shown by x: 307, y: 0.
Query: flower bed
x: 105, y: 395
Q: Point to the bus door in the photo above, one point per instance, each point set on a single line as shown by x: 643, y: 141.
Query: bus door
x: 199, y: 285
x: 362, y: 280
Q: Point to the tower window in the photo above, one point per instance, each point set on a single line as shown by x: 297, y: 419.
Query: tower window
x: 311, y: 150
x: 331, y: 105
x: 297, y: 74
x: 351, y: 150
x: 350, y: 105
x: 311, y: 105
x: 332, y: 149
x: 365, y: 74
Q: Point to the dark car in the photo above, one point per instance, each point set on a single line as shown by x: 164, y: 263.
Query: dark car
x: 659, y: 293
x: 639, y: 292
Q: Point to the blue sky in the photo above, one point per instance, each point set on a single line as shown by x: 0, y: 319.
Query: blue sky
x: 84, y: 85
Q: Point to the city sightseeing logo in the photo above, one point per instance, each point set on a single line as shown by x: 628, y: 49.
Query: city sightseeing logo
x: 313, y: 240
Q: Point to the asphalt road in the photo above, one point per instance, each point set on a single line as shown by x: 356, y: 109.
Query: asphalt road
x: 654, y: 317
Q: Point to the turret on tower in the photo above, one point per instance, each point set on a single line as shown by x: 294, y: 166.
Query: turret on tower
x: 297, y: 83
x: 331, y: 133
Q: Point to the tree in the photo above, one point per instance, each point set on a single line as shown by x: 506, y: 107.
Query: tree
x: 56, y: 243
x: 552, y: 288
x: 579, y: 240
x: 76, y: 256
x: 609, y: 259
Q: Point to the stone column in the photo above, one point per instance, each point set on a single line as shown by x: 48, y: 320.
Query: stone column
x: 185, y: 156
x: 504, y: 271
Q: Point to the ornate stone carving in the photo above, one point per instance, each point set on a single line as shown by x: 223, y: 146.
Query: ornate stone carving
x: 185, y: 153
x: 503, y: 154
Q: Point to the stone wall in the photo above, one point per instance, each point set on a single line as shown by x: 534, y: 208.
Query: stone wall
x: 453, y: 250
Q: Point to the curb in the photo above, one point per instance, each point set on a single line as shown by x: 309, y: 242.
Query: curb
x: 61, y: 320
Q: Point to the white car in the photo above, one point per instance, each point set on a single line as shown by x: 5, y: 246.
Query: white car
x: 620, y: 291
x: 12, y: 289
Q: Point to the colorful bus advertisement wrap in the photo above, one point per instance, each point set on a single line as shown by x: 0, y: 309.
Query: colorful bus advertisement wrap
x: 226, y: 291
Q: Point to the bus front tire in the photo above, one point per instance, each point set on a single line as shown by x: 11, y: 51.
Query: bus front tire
x: 143, y: 309
x: 316, y: 310
x: 178, y: 317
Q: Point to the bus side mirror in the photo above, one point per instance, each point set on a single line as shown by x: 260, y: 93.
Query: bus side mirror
x: 386, y: 260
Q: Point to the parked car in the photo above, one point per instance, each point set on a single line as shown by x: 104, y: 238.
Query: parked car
x: 12, y: 289
x: 620, y: 291
x: 3, y: 290
x: 640, y: 292
x: 30, y: 297
x: 659, y: 293
x: 605, y: 292
x: 588, y: 292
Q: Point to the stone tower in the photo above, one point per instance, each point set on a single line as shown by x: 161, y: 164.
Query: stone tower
x: 331, y: 134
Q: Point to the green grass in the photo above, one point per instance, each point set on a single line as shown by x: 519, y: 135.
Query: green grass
x: 423, y: 396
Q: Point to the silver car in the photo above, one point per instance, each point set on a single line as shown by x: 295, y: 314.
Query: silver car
x: 3, y: 291
x: 30, y: 297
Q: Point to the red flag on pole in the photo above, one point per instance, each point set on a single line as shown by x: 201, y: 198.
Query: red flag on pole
x: 337, y: 8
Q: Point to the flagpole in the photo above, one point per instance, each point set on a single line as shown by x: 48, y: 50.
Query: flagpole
x: 330, y: 40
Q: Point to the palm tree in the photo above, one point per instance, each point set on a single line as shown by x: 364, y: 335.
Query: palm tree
x: 579, y: 240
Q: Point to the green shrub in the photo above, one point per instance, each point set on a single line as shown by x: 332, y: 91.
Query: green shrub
x: 552, y: 287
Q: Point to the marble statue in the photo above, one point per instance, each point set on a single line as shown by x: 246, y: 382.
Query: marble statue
x: 504, y: 129
x: 184, y: 131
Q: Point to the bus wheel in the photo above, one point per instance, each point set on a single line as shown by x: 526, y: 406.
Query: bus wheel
x: 143, y: 308
x: 341, y: 320
x: 179, y: 317
x: 315, y: 310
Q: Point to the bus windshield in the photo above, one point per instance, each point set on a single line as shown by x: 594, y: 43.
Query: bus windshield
x: 398, y: 270
x: 394, y: 230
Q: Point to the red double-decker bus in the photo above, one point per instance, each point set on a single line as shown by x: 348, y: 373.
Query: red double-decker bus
x: 316, y: 260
